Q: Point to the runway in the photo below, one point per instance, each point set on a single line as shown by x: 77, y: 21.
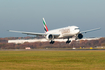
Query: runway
x: 55, y: 49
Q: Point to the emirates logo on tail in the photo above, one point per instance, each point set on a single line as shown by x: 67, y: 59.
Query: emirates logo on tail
x: 45, y: 26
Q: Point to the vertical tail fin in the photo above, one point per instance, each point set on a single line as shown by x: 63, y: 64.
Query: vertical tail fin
x: 45, y: 26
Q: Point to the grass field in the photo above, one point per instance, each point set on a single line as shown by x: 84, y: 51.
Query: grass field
x: 52, y: 60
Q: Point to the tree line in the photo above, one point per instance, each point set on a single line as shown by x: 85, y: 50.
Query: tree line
x: 77, y: 44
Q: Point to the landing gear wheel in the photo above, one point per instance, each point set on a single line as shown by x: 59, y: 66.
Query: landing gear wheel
x: 52, y: 42
x: 68, y: 41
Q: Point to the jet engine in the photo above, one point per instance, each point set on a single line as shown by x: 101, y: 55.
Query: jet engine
x: 50, y: 37
x: 80, y: 36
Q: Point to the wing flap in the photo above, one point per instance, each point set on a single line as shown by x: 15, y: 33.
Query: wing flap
x: 33, y: 33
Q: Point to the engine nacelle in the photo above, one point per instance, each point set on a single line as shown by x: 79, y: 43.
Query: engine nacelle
x: 50, y: 37
x: 80, y: 36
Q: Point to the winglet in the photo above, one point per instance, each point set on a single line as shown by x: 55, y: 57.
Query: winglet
x: 45, y: 26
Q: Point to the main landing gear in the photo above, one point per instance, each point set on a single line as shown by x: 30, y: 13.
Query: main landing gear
x: 52, y: 42
x: 68, y: 41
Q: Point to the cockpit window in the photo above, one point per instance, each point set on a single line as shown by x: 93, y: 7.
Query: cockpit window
x: 76, y: 28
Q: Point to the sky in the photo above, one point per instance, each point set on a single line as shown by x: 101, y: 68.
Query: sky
x: 26, y: 15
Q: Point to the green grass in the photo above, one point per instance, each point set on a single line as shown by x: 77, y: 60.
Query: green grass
x: 52, y: 60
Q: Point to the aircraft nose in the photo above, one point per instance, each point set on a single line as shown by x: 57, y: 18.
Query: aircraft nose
x: 78, y: 31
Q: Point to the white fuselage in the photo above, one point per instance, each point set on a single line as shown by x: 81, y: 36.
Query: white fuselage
x: 66, y: 32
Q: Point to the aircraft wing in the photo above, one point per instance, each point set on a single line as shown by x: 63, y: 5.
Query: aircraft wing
x: 28, y: 33
x: 32, y: 33
x: 90, y: 30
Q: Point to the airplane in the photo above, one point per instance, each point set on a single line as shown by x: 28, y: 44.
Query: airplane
x: 60, y: 33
